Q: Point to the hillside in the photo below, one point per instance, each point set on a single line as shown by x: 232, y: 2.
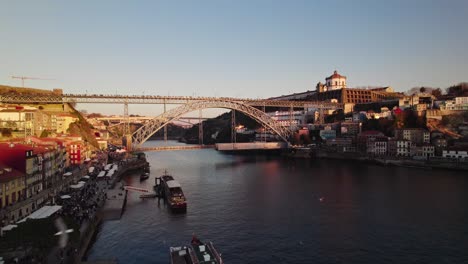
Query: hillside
x: 19, y: 90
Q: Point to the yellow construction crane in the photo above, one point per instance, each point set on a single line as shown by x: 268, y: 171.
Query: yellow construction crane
x: 27, y: 78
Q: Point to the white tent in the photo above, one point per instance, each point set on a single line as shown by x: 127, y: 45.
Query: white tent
x: 101, y: 174
x: 43, y: 212
x: 66, y: 196
x: 86, y: 177
x: 7, y: 228
x: 67, y: 174
x: 77, y: 186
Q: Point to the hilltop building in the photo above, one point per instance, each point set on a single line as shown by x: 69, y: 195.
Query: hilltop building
x: 335, y: 90
x: 333, y: 82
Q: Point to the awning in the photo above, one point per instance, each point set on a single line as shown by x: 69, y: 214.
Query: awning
x: 67, y: 174
x: 101, y: 174
x: 8, y: 227
x: 43, y: 212
x: 86, y: 177
x: 66, y: 196
x: 77, y: 186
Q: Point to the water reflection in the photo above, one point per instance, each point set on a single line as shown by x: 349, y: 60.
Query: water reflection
x: 268, y: 210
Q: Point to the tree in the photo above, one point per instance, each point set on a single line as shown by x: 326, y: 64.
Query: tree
x: 45, y: 134
x: 437, y: 93
x: 6, y: 132
x: 460, y: 89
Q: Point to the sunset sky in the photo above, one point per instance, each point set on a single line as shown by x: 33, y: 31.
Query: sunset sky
x: 253, y: 49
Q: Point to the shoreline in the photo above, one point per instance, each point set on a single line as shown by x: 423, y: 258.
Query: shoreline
x: 88, y: 240
x: 408, y: 163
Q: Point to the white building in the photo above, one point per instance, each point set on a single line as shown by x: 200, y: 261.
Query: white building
x: 416, y: 135
x: 428, y: 151
x: 288, y: 119
x: 461, y: 100
x: 377, y: 147
x: 335, y: 81
x: 459, y: 104
x: 455, y: 154
x: 403, y: 148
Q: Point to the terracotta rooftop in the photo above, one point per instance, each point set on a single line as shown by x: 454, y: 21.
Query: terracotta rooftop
x: 335, y: 75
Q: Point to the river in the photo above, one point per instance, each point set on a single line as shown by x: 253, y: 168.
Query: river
x: 266, y: 209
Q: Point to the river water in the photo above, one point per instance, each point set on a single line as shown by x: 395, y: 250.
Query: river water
x: 261, y: 209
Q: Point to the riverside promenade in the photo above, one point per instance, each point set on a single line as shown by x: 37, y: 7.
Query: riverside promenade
x: 88, y: 207
x: 110, y: 205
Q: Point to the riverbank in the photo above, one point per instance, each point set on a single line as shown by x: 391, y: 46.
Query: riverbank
x: 421, y: 164
x: 118, y: 205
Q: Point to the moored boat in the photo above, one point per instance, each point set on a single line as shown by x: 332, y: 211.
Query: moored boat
x: 172, y: 192
x: 197, y: 253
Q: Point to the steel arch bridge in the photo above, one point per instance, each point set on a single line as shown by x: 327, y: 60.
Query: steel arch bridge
x: 146, y: 131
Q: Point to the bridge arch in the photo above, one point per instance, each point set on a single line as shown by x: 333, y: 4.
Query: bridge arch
x: 146, y: 131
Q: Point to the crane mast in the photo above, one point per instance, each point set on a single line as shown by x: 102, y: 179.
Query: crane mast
x: 27, y: 78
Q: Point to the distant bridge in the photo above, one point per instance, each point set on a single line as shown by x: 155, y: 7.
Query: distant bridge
x: 249, y: 107
x: 150, y: 99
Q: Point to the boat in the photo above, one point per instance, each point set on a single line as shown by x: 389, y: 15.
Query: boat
x: 172, y: 192
x: 144, y: 176
x: 196, y: 253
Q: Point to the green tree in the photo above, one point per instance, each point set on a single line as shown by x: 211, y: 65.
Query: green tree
x: 460, y: 89
x: 437, y: 93
x: 6, y: 132
x: 44, y: 134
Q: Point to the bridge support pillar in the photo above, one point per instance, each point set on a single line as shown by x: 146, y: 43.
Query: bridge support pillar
x: 126, y: 129
x: 233, y: 126
x: 165, y: 127
x: 127, y: 142
x: 200, y: 128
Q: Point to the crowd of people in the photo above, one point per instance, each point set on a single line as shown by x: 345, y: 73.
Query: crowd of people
x: 82, y: 204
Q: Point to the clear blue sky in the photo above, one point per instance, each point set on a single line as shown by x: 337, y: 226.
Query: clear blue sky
x: 231, y: 48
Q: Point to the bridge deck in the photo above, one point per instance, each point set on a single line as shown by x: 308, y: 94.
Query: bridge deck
x: 169, y: 148
x: 152, y: 99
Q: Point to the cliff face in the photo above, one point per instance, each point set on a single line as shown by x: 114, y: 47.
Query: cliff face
x: 82, y: 128
x: 44, y: 112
